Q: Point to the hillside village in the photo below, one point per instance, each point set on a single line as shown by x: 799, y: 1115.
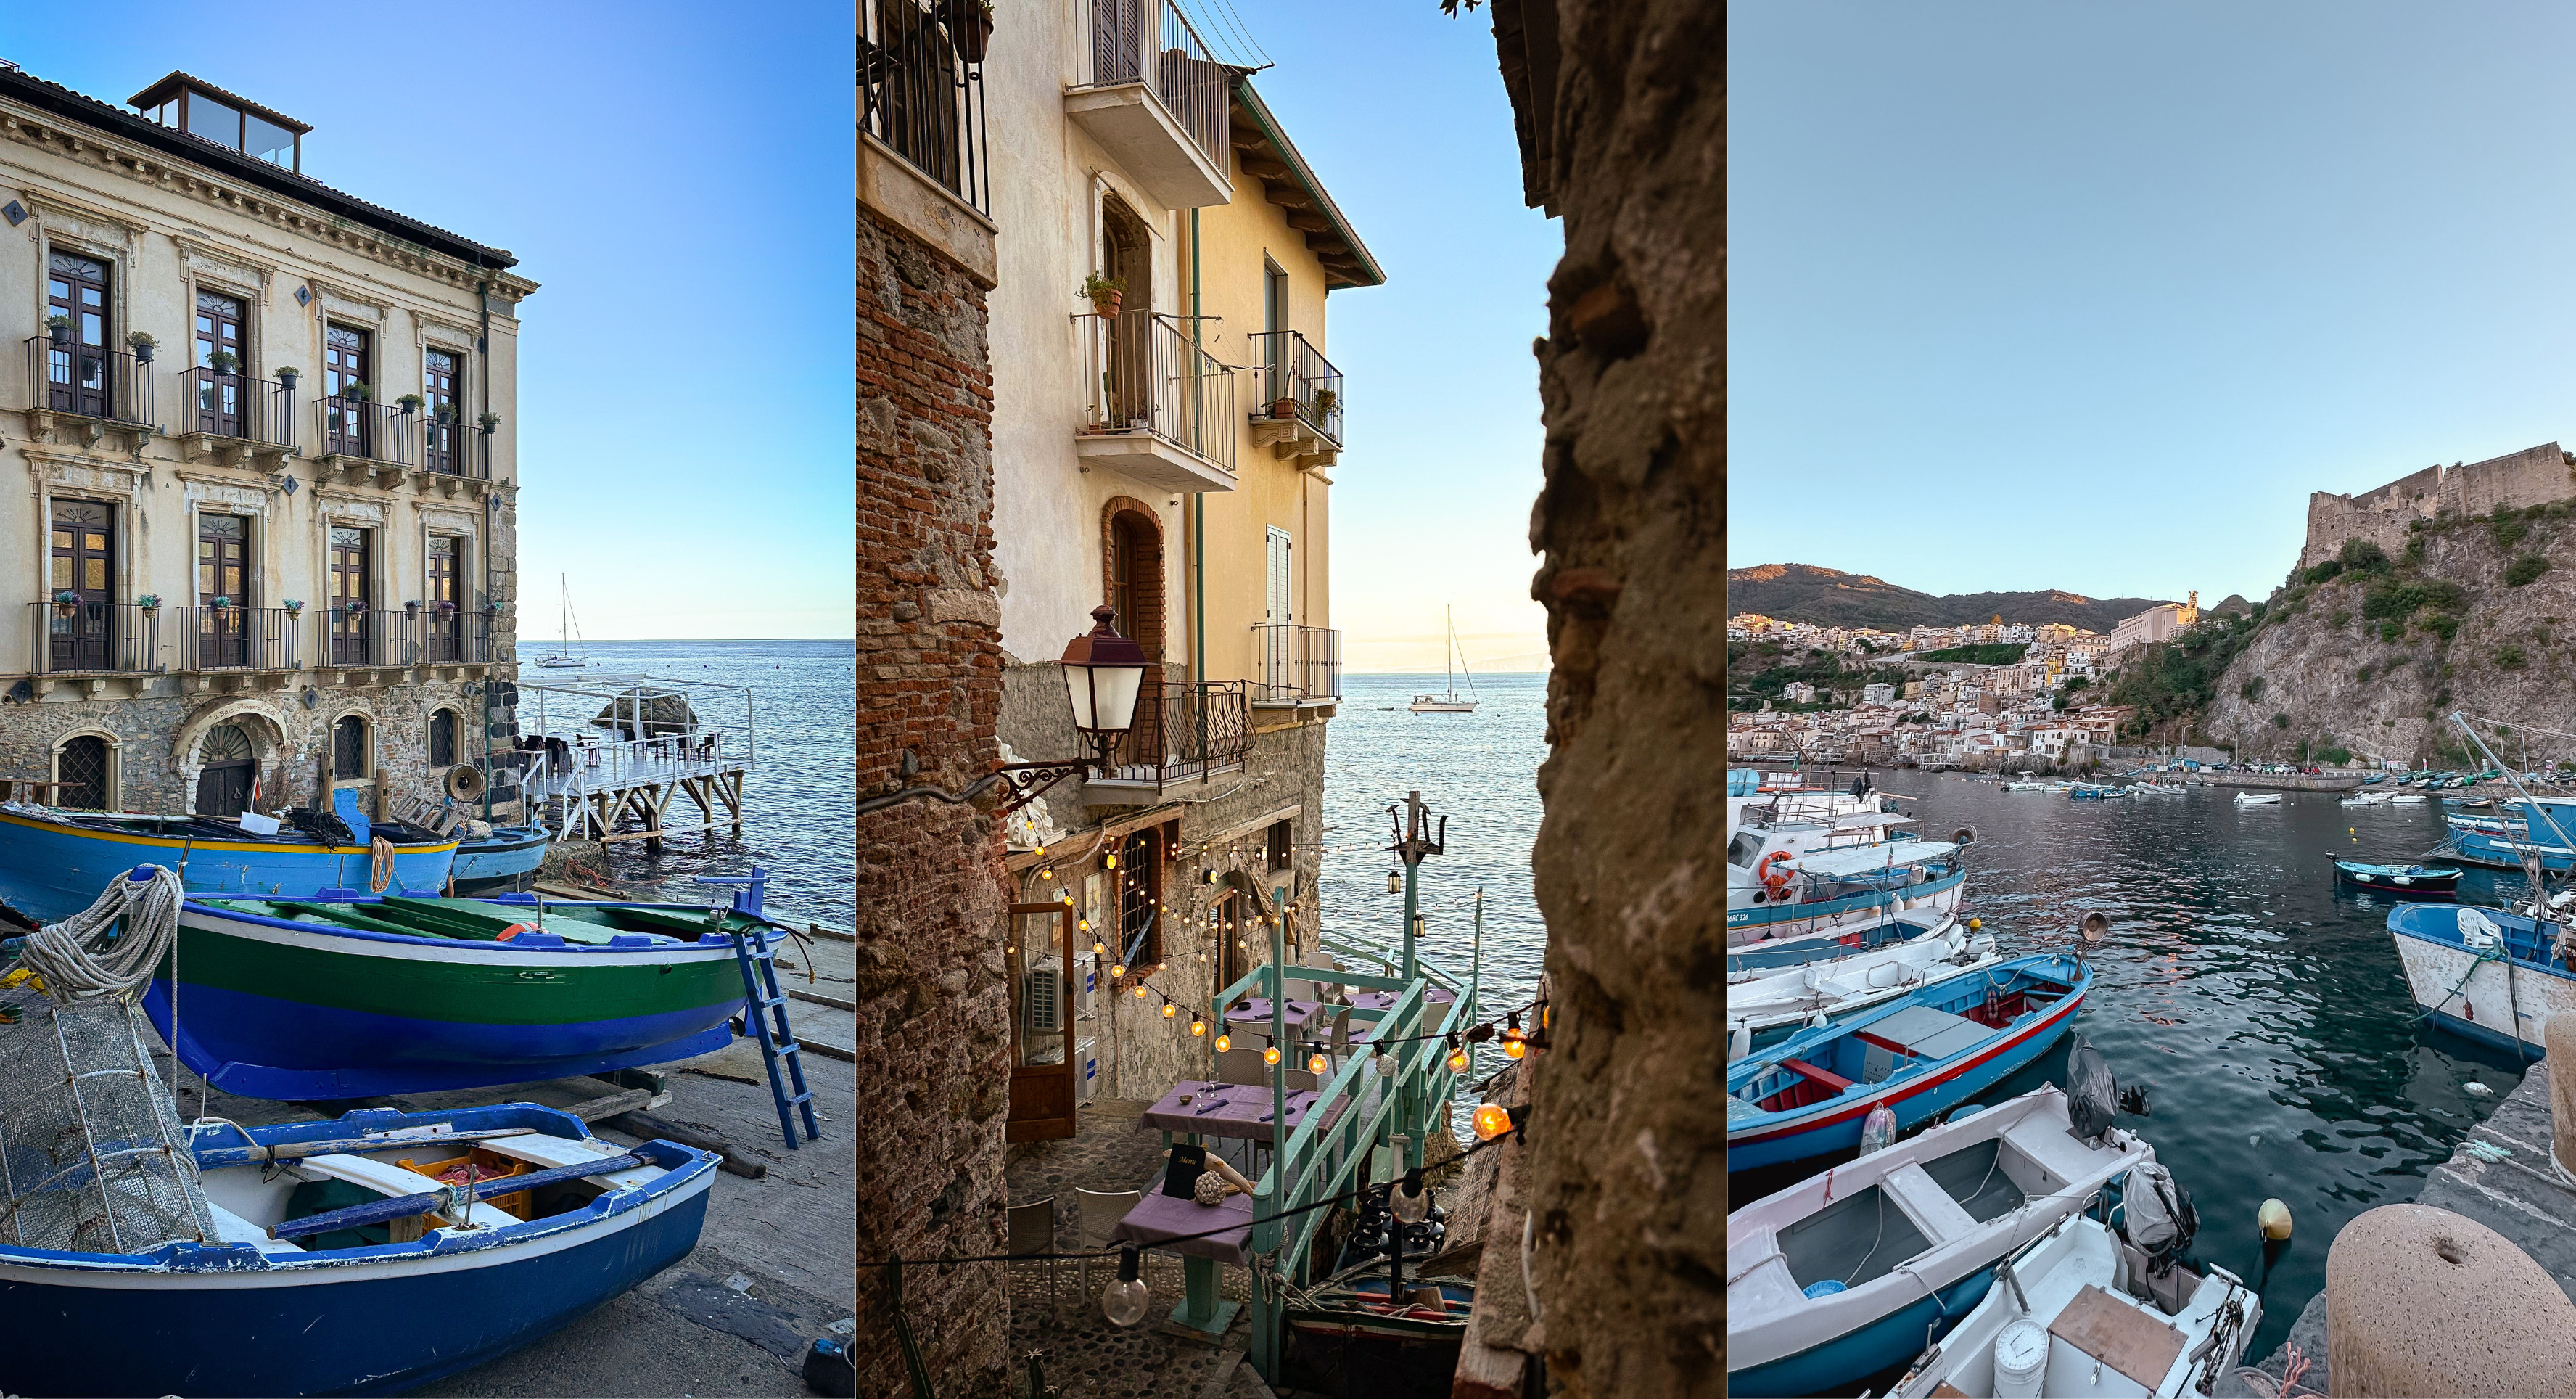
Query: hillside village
x: 1993, y: 695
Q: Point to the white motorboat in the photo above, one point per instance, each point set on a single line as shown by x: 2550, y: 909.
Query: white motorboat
x: 2156, y: 789
x: 1846, y: 1273
x: 2409, y: 800
x: 2029, y: 787
x: 2258, y: 799
x: 1768, y: 1006
x: 2367, y: 799
x: 2077, y: 1312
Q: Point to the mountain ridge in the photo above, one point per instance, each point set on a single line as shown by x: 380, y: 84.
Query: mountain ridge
x: 1825, y: 597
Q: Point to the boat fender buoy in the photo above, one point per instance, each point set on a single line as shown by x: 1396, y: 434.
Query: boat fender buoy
x: 1975, y: 923
x: 512, y: 931
x: 2275, y: 1219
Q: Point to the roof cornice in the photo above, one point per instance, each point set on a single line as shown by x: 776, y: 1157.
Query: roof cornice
x: 1358, y: 267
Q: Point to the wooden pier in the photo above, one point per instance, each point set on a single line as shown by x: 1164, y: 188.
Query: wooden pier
x: 634, y: 746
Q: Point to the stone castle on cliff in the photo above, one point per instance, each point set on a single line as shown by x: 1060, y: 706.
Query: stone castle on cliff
x: 2532, y: 476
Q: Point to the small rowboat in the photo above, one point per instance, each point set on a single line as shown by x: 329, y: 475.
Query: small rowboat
x: 1768, y: 1008
x: 343, y: 1260
x: 2258, y: 799
x: 503, y: 862
x: 2075, y: 1305
x: 357, y: 996
x: 2415, y: 881
x: 1844, y: 1274
x: 1920, y: 1054
x: 1345, y: 1339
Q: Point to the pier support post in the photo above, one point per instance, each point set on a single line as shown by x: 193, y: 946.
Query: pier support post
x: 2558, y: 1038
x: 2416, y: 1303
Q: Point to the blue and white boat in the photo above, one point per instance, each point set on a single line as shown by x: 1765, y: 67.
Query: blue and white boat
x: 396, y: 1279
x: 1763, y: 1008
x: 2095, y: 791
x: 2545, y: 830
x: 1853, y: 1271
x: 504, y: 862
x: 53, y: 861
x: 1920, y: 1054
x: 2495, y: 977
x: 1809, y: 876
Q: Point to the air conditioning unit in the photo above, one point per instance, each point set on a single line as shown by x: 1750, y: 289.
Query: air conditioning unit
x: 1086, y: 1071
x: 1042, y: 999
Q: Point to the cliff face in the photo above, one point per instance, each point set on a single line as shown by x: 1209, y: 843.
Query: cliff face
x: 2476, y: 614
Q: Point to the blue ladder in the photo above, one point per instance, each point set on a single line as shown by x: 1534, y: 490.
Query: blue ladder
x: 759, y: 964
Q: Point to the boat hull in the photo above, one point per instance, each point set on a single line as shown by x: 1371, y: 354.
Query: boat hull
x: 506, y: 863
x: 1787, y: 935
x: 1884, y: 1344
x: 50, y: 871
x: 2469, y: 995
x: 212, y: 1322
x: 2506, y: 849
x: 294, y: 1012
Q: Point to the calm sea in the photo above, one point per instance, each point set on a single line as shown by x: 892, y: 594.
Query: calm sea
x: 800, y: 824
x: 1481, y: 771
x: 2263, y: 1007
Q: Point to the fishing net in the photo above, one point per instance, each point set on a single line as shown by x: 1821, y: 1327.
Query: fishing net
x: 92, y: 1156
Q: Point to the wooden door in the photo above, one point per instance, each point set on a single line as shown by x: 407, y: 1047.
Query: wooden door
x: 1040, y: 961
x: 230, y: 768
x: 352, y: 604
x: 222, y: 573
x: 444, y: 426
x: 219, y: 395
x: 77, y: 373
x: 346, y: 363
x: 83, y: 563
x: 441, y: 597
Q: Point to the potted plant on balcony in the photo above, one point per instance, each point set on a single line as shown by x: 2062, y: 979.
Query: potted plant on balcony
x: 149, y: 602
x: 65, y: 601
x: 221, y: 603
x: 142, y: 342
x: 412, y: 608
x: 222, y: 361
x: 59, y: 327
x: 1104, y: 293
x: 1325, y: 402
x: 1283, y: 407
x: 488, y: 422
x: 445, y: 413
x: 970, y: 26
x: 353, y: 609
x: 446, y: 605
x: 286, y: 377
x: 294, y: 606
x: 411, y: 402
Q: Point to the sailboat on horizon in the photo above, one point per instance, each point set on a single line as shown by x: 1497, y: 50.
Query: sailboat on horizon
x: 1447, y: 702
x: 569, y: 651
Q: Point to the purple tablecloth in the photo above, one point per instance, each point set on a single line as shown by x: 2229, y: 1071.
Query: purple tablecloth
x: 1241, y: 1110
x: 1381, y: 1000
x: 1258, y: 1016
x: 1158, y: 1217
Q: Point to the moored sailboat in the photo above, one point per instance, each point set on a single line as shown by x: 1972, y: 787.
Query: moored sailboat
x: 1447, y: 701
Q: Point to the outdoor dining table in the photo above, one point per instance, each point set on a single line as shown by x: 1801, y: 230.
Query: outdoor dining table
x: 1385, y: 1000
x: 1254, y: 1014
x: 1239, y: 1110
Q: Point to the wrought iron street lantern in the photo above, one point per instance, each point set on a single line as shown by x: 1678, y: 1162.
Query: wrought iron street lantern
x: 1104, y: 674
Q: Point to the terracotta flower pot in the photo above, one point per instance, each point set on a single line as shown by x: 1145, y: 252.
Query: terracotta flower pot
x: 1283, y: 408
x: 1106, y: 302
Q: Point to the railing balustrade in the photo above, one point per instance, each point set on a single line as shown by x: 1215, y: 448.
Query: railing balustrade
x: 96, y: 638
x: 1289, y: 374
x: 89, y: 380
x: 921, y: 89
x: 233, y: 404
x: 1297, y: 664
x: 1184, y: 731
x: 1152, y: 42
x: 237, y: 638
x: 1141, y: 373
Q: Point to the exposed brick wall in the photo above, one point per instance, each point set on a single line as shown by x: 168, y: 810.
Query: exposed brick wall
x: 933, y: 1033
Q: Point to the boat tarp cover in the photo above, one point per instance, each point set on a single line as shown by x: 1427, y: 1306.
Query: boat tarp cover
x: 2091, y: 1096
x: 1863, y: 858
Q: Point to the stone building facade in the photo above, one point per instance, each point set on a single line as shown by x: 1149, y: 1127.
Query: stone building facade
x: 266, y: 435
x: 933, y: 1009
x: 2532, y: 476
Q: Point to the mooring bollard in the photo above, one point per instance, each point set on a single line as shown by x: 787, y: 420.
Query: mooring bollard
x: 2558, y: 1039
x: 2412, y: 1309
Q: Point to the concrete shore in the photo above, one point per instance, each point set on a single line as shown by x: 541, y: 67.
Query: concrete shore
x: 2518, y: 1196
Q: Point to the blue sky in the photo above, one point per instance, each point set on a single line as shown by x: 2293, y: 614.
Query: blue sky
x: 1401, y: 112
x: 2092, y: 297
x: 632, y: 155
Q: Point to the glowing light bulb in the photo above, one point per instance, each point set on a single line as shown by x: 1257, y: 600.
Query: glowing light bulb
x: 1082, y: 925
x: 1270, y: 1055
x: 1197, y: 1026
x: 1457, y: 1061
x: 1046, y: 874
x: 1109, y: 863
x: 1123, y: 1300
x: 1224, y: 1043
x: 1099, y: 948
x: 1041, y: 849
x: 1170, y: 1010
x: 1492, y: 1120
x: 1118, y: 971
x: 1140, y: 990
x: 1316, y: 1064
x: 1514, y: 1047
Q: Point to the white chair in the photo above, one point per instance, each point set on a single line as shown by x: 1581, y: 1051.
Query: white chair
x: 1101, y: 1211
x: 1031, y: 1229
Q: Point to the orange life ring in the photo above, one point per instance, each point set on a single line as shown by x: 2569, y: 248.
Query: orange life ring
x: 1772, y: 879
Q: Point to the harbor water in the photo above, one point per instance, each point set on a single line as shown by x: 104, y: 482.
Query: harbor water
x: 798, y: 823
x: 2263, y: 1007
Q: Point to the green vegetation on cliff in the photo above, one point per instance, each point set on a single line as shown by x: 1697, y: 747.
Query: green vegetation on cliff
x: 2169, y: 680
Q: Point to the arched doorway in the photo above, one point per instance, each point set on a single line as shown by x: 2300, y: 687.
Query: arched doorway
x: 230, y: 768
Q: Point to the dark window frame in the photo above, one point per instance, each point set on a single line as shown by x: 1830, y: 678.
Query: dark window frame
x: 443, y: 725
x: 344, y: 749
x: 106, y: 775
x: 1139, y: 891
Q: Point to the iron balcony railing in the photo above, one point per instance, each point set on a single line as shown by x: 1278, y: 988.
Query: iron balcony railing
x: 921, y: 89
x: 1291, y: 377
x: 239, y: 405
x: 397, y: 435
x: 1298, y: 664
x: 1184, y: 731
x: 90, y: 380
x: 237, y: 638
x: 95, y: 638
x: 1143, y: 375
x: 361, y: 638
x: 1151, y: 42
x: 450, y: 636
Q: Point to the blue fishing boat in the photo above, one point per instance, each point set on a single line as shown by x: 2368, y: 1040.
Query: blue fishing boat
x: 1919, y: 1054
x: 2491, y: 976
x: 2094, y: 791
x: 1858, y: 916
x: 53, y: 862
x: 2540, y: 830
x: 365, y: 1256
x: 504, y: 862
x: 2414, y: 881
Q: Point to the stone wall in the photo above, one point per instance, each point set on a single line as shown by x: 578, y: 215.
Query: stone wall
x: 1622, y: 112
x: 933, y: 1028
x: 2532, y: 476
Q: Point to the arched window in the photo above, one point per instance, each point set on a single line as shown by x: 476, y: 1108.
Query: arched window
x: 83, y: 766
x: 442, y: 738
x: 229, y: 768
x: 349, y: 746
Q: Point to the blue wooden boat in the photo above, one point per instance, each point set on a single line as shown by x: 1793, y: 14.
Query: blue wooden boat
x: 1919, y: 1054
x: 432, y: 1286
x: 2413, y: 881
x: 53, y: 862
x: 1840, y: 927
x: 2483, y: 973
x: 2543, y: 830
x: 504, y: 862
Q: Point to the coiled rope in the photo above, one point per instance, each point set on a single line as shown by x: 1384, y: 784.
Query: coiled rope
x: 380, y: 865
x: 84, y: 957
